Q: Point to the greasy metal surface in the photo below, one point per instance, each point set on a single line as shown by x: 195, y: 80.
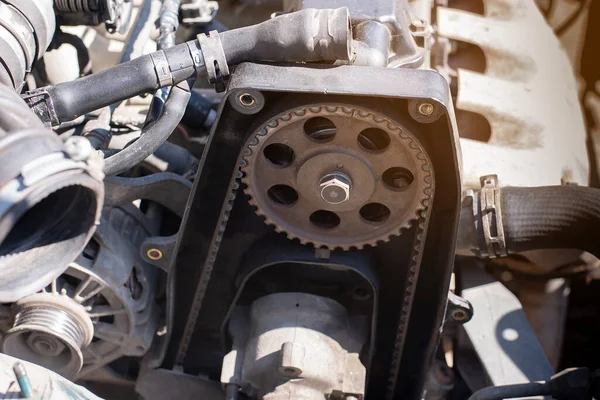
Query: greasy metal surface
x: 296, y: 345
x: 340, y: 270
x: 312, y: 160
x: 528, y: 94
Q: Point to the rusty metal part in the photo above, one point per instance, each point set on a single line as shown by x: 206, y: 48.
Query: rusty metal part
x: 290, y: 155
x: 526, y: 91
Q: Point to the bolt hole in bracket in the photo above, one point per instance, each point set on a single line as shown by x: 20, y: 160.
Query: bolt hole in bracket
x: 204, y: 257
x: 247, y: 102
x: 459, y: 311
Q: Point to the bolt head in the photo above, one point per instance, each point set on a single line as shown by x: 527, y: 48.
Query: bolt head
x: 335, y: 188
x: 45, y: 345
x: 426, y: 109
x: 78, y: 148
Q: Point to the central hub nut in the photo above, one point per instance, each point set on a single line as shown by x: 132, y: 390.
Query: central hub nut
x: 335, y: 187
x: 45, y: 345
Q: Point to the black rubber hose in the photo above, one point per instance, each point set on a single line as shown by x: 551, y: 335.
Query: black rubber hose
x: 551, y: 217
x: 303, y: 36
x: 198, y: 113
x: 101, y: 89
x: 83, y: 53
x: 153, y: 135
x: 512, y: 391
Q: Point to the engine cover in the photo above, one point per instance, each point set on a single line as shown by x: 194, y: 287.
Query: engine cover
x: 413, y: 268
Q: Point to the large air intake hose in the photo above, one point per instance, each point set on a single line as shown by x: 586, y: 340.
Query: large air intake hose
x: 26, y: 29
x: 535, y: 218
x: 51, y: 194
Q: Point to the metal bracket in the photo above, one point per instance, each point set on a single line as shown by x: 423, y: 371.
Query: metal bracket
x: 158, y: 250
x: 167, y: 189
x: 40, y: 102
x: 491, y: 217
x: 198, y: 12
x: 459, y: 310
x: 217, y: 69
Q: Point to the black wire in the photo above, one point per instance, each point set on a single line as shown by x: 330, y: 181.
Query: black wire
x: 571, y: 19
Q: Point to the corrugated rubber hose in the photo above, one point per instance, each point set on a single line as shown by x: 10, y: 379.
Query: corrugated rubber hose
x: 551, y: 217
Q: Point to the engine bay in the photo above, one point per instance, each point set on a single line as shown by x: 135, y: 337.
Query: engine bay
x: 296, y: 199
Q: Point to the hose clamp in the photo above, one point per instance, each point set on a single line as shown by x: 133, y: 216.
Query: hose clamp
x: 217, y: 69
x: 491, y: 218
x: 40, y: 102
x: 162, y: 69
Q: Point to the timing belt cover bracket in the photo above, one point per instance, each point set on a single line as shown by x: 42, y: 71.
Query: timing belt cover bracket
x: 211, y: 202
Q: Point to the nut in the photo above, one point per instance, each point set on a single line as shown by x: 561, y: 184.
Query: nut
x: 45, y: 345
x: 335, y: 188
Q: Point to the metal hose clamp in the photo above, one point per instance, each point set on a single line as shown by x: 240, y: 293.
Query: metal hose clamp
x: 491, y: 217
x: 161, y: 67
x: 217, y: 69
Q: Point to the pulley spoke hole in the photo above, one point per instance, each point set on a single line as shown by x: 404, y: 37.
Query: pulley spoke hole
x: 283, y: 194
x: 320, y: 129
x: 398, y: 178
x: 325, y: 219
x: 375, y: 212
x: 373, y: 140
x: 279, y: 154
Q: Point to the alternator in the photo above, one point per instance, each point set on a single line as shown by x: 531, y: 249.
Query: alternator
x: 100, y: 309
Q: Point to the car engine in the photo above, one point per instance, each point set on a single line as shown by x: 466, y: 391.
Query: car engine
x: 299, y: 199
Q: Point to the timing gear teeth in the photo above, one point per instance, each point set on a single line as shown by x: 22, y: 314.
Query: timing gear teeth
x: 409, y: 148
